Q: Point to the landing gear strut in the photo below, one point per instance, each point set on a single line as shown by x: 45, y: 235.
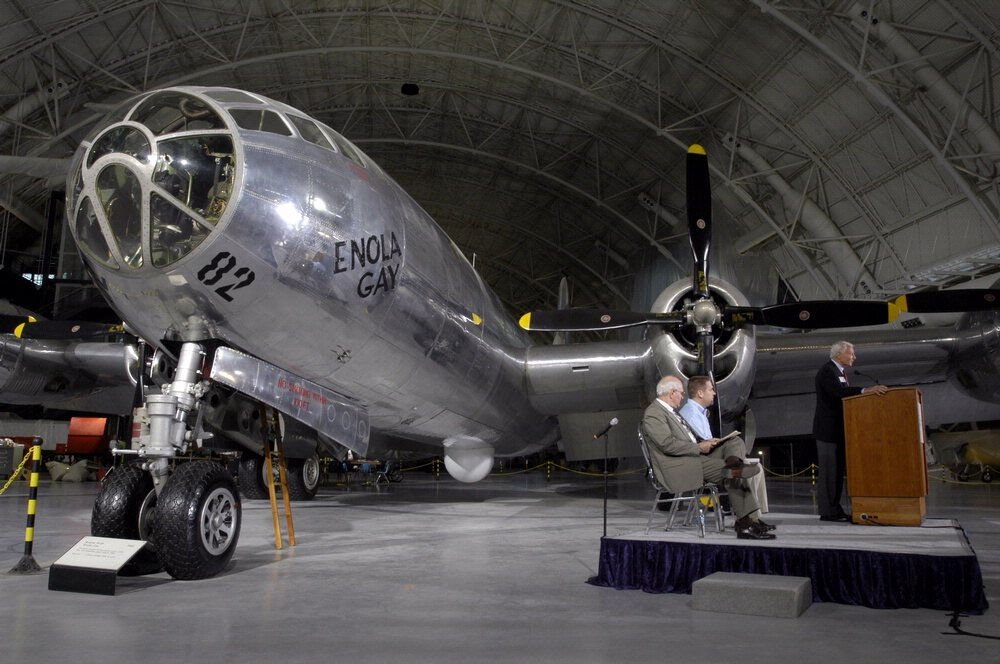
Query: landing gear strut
x: 188, y: 511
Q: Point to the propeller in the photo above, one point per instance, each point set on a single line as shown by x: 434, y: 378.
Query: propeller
x: 28, y: 327
x: 704, y: 313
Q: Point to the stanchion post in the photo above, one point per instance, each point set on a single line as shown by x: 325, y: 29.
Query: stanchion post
x: 27, y: 564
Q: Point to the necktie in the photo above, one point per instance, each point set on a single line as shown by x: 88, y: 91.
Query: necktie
x: 687, y: 427
x: 844, y: 374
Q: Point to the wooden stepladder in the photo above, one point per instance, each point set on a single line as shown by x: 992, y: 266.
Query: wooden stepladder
x: 274, y: 453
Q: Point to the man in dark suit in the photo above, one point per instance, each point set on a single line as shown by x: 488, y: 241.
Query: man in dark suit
x: 683, y: 462
x: 832, y: 385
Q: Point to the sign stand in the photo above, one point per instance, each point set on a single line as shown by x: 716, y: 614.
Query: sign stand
x: 92, y: 564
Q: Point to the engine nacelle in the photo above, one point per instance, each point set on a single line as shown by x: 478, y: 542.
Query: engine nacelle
x: 976, y: 365
x: 675, y: 351
x: 467, y: 459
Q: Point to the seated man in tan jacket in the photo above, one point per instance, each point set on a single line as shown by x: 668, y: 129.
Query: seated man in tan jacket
x: 683, y: 462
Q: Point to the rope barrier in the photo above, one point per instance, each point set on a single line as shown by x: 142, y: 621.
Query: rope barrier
x: 810, y: 467
x: 944, y: 469
x: 549, y: 466
x: 27, y: 564
x: 16, y: 474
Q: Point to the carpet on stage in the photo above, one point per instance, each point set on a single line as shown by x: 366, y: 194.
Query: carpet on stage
x: 886, y: 567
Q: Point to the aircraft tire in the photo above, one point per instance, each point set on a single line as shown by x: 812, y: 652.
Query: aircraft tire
x: 251, y: 477
x: 303, y: 478
x: 197, y: 520
x: 124, y: 509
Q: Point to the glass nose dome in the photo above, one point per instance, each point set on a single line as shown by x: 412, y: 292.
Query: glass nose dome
x: 151, y: 187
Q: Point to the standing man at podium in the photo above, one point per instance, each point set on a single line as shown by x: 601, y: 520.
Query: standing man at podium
x: 832, y: 385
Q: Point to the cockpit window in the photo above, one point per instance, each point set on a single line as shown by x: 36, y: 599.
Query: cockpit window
x: 88, y: 229
x: 128, y: 140
x: 121, y: 198
x: 310, y: 132
x: 170, y: 112
x: 173, y: 233
x: 260, y: 120
x: 233, y: 97
x: 198, y: 171
x: 346, y: 147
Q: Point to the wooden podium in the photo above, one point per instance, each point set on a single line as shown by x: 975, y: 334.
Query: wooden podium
x: 886, y: 467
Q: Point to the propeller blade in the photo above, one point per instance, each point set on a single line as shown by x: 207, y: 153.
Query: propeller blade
x: 706, y: 367
x: 706, y: 354
x: 934, y: 302
x: 737, y: 316
x: 64, y: 329
x: 588, y: 320
x: 9, y: 323
x: 826, y: 313
x: 699, y: 212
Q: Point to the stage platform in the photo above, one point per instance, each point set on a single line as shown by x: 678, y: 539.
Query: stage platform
x: 932, y: 566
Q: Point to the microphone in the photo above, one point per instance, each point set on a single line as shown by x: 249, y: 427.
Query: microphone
x: 614, y: 421
x: 864, y: 375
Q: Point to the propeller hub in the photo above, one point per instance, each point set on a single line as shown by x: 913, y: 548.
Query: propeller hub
x: 705, y: 314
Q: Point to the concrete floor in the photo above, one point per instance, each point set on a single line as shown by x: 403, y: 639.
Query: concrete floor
x: 437, y: 571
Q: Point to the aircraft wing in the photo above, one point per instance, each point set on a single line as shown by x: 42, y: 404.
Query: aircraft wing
x: 70, y: 375
x: 783, y: 394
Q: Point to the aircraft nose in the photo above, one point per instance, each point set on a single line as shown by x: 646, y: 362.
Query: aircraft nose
x: 154, y: 181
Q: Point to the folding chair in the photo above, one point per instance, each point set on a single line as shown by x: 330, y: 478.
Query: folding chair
x: 693, y: 497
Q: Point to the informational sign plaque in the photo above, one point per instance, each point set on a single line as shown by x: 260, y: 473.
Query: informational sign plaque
x: 92, y: 564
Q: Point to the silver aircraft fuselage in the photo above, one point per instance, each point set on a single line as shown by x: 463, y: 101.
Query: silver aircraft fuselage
x: 223, y: 218
x: 212, y: 214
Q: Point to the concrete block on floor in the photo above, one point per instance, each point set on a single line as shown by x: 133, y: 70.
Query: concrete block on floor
x: 753, y: 594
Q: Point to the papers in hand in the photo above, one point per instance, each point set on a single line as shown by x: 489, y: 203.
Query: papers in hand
x: 727, y: 437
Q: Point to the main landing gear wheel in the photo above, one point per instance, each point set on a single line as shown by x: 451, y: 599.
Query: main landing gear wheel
x: 197, y: 520
x: 252, y: 477
x: 124, y: 510
x: 303, y: 478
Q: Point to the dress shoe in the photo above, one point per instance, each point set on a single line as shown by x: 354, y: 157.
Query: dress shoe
x: 733, y: 462
x: 842, y: 517
x: 743, y: 471
x: 765, y: 525
x: 752, y: 530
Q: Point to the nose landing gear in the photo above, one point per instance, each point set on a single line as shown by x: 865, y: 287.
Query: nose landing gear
x: 188, y: 511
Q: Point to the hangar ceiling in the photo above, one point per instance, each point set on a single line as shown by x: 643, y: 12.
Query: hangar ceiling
x: 853, y: 144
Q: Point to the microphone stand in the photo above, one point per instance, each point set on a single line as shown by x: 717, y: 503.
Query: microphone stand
x: 605, y: 436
